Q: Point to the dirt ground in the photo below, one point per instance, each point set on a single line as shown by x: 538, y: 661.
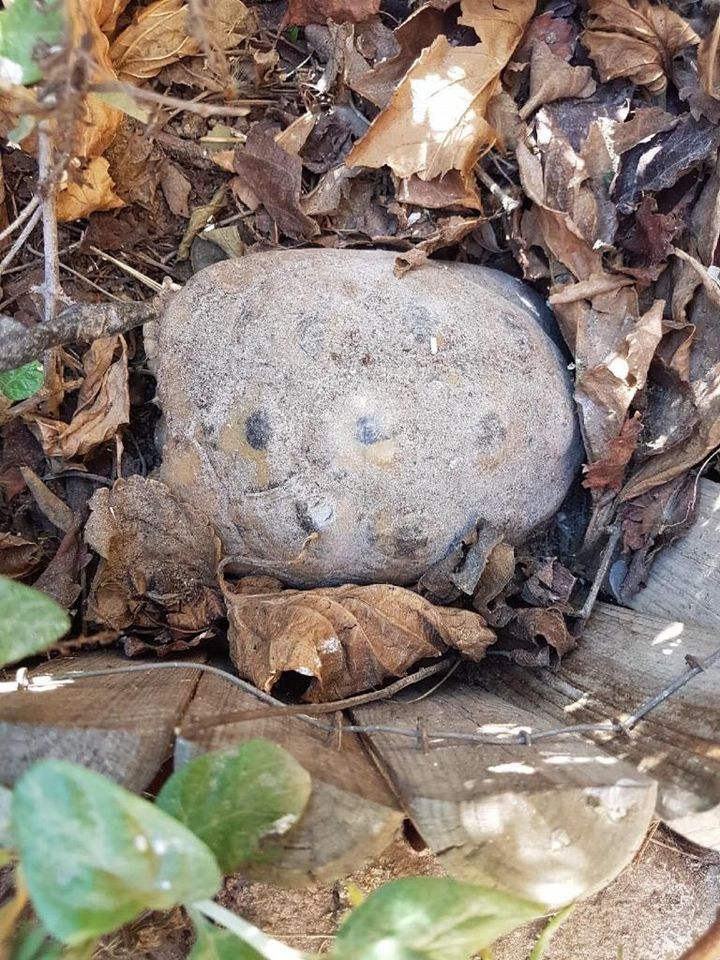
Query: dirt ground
x: 654, y: 910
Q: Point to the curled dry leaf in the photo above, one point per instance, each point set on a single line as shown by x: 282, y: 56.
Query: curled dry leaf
x: 159, y: 558
x: 160, y: 34
x: 346, y: 639
x: 103, y: 404
x: 302, y: 12
x: 451, y: 230
x: 94, y: 191
x: 436, y: 120
x: 638, y: 42
x: 18, y: 557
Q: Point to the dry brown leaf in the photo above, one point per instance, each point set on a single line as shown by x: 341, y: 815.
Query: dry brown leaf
x: 94, y: 191
x: 160, y: 34
x: 345, y: 639
x: 637, y: 42
x: 412, y: 36
x: 551, y: 78
x: 103, y: 404
x: 18, y: 557
x: 539, y: 631
x: 709, y: 62
x: 436, y: 119
x: 302, y: 12
x: 176, y: 189
x: 159, y: 558
x: 275, y: 178
x: 440, y: 194
x: 293, y: 138
x: 610, y: 471
x: 62, y: 579
x: 56, y: 510
x: 107, y: 13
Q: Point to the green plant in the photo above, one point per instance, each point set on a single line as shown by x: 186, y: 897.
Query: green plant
x: 91, y: 856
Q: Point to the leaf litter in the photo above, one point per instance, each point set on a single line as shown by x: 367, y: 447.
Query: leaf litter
x: 574, y: 147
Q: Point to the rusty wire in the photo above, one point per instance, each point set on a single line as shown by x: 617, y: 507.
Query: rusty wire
x: 521, y: 737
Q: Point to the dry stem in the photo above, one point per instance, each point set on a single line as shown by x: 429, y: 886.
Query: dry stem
x: 81, y: 322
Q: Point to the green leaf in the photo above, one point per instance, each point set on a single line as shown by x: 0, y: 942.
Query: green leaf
x: 429, y: 918
x: 30, y: 621
x: 23, y: 382
x: 32, y: 943
x: 234, y: 798
x: 23, y: 27
x: 127, y: 103
x: 214, y: 943
x: 95, y: 856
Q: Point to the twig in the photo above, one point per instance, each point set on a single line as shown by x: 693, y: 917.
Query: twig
x: 711, y: 287
x: 51, y: 288
x: 20, y: 218
x: 708, y: 946
x: 20, y: 240
x: 583, y: 614
x: 330, y: 706
x: 81, y: 322
x: 126, y: 268
x: 191, y: 106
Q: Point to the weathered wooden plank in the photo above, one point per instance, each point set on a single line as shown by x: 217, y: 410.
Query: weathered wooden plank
x: 684, y: 586
x: 121, y: 726
x: 684, y: 582
x: 352, y: 814
x: 550, y: 821
x: 624, y: 659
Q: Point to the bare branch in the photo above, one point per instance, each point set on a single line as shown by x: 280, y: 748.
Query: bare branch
x: 83, y: 322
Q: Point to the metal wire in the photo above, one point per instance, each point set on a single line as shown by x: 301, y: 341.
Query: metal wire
x: 424, y: 737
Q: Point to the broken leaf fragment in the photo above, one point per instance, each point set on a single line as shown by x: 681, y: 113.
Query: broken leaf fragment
x: 343, y: 639
x: 158, y: 559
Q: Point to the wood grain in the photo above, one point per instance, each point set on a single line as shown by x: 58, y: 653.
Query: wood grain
x: 684, y: 586
x: 352, y: 815
x: 120, y: 726
x: 552, y: 822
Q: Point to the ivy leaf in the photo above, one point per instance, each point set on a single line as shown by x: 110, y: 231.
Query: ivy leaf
x: 95, y: 856
x: 430, y: 918
x: 23, y: 27
x: 214, y: 943
x: 234, y: 798
x: 23, y: 382
x: 30, y: 621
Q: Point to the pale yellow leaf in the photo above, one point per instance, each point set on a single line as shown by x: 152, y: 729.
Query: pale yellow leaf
x: 94, y: 192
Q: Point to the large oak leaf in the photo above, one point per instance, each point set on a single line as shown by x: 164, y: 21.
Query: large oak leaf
x: 345, y: 639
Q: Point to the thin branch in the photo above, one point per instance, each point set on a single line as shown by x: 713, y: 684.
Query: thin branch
x: 20, y: 240
x: 20, y: 218
x: 191, y: 106
x: 83, y: 322
x: 52, y: 288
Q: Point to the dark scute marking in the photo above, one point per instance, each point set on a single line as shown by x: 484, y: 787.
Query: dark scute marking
x: 410, y: 539
x: 491, y: 434
x: 257, y: 430
x: 367, y: 430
